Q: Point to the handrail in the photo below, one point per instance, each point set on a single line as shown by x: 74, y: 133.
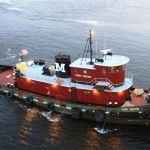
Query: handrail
x: 101, y: 79
x: 129, y: 75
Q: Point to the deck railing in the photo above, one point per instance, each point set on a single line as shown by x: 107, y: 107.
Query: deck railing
x: 95, y: 80
x: 129, y: 75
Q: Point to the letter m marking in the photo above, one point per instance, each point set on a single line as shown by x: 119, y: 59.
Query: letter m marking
x: 60, y: 67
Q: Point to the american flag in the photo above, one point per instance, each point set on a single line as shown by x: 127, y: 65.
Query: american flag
x: 23, y: 52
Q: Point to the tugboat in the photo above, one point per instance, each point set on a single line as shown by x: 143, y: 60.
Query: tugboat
x: 97, y: 88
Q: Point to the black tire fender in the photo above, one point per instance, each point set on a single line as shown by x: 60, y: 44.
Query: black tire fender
x: 76, y: 113
x: 89, y: 113
x: 29, y: 100
x: 50, y: 106
x: 113, y: 115
x: 145, y: 113
x: 10, y: 94
x: 99, y: 115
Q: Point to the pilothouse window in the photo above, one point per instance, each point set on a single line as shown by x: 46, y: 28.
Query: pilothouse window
x: 112, y: 69
x: 116, y: 69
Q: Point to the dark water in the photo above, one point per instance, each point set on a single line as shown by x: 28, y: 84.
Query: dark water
x: 46, y: 27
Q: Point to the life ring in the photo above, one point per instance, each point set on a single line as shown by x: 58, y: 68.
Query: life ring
x: 113, y: 115
x: 10, y: 94
x: 28, y: 100
x: 145, y: 113
x: 59, y: 81
x: 89, y: 113
x: 99, y: 115
x: 76, y: 113
x: 50, y: 106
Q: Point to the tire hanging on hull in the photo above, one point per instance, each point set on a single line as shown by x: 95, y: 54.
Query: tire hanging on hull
x: 89, y: 113
x: 113, y: 115
x: 29, y: 100
x: 146, y: 113
x: 99, y: 115
x: 76, y: 113
x: 10, y: 94
x: 50, y: 106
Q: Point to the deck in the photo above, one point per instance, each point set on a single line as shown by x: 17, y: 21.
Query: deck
x: 6, y: 76
x: 35, y: 72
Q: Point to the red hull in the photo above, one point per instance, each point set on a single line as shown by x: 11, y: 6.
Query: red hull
x: 72, y: 94
x: 6, y: 76
x: 64, y: 93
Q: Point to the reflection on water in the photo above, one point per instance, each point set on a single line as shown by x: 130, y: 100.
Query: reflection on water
x: 31, y: 115
x: 26, y: 129
x: 115, y: 143
x: 93, y: 140
x: 55, y: 131
x: 96, y: 140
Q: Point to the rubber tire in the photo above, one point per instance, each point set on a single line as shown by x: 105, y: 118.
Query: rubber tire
x: 76, y: 113
x: 145, y: 113
x: 113, y: 115
x: 29, y: 100
x: 89, y: 113
x: 10, y: 94
x: 50, y: 106
x: 99, y: 115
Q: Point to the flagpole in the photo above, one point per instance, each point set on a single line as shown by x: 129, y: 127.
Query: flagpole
x: 21, y: 56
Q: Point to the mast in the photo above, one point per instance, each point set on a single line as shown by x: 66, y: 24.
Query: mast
x: 88, y: 48
x: 90, y: 43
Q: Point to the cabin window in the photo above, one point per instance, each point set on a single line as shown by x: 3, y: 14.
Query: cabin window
x: 116, y: 69
x: 119, y: 68
x: 112, y: 69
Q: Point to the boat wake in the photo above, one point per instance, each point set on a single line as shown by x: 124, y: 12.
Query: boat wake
x: 76, y: 21
x: 48, y: 116
x: 2, y: 96
x: 8, y: 5
x: 20, y: 105
x: 81, y: 21
x: 6, y: 1
x: 9, y: 55
x: 15, y: 9
x: 32, y: 110
x: 104, y: 131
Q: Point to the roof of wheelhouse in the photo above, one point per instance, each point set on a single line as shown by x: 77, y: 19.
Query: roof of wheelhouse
x: 114, y: 60
x: 108, y: 61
